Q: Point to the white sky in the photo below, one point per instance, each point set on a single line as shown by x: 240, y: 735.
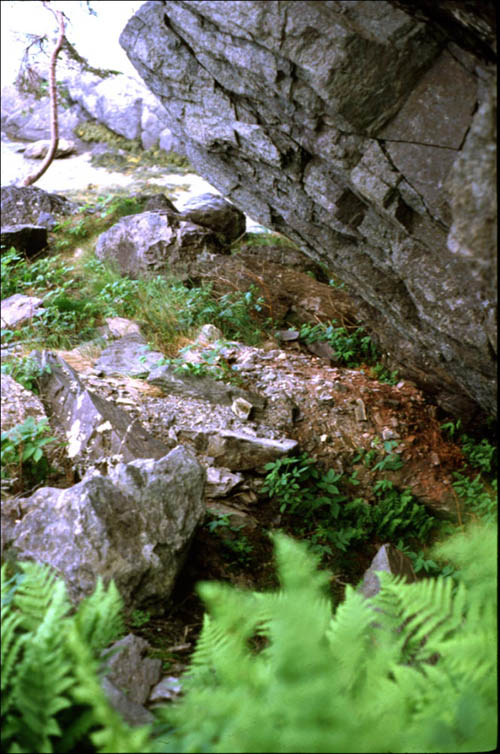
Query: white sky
x: 95, y: 37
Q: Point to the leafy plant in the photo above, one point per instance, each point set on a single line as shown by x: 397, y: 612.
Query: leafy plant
x: 239, y: 545
x: 391, y: 461
x: 52, y: 699
x: 384, y: 375
x: 318, y: 502
x: 21, y: 276
x: 480, y: 454
x: 140, y: 618
x: 352, y: 347
x: 22, y: 450
x: 27, y: 371
x: 421, y: 677
x: 478, y: 499
x: 398, y: 514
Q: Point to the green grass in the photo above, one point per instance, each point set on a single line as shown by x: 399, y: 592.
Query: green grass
x: 79, y: 291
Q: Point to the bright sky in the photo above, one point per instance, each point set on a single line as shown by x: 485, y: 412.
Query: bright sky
x: 95, y: 37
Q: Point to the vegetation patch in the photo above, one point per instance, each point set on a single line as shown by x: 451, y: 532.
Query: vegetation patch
x: 128, y: 155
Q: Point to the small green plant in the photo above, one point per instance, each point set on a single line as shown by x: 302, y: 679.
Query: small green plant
x: 479, y: 498
x: 397, y: 514
x: 140, y: 618
x: 384, y: 375
x: 352, y: 347
x: 238, y: 546
x: 391, y: 461
x: 27, y: 371
x: 219, y: 520
x: 23, y: 451
x: 21, y: 276
x: 318, y: 506
x: 480, y: 454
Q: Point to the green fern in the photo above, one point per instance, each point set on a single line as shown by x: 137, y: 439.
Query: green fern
x: 412, y: 669
x: 51, y: 696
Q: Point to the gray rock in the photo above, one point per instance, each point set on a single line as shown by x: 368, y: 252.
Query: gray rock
x: 159, y: 202
x: 151, y: 241
x: 27, y: 238
x: 237, y: 451
x: 39, y: 149
x: 209, y: 334
x: 287, y: 335
x: 340, y: 128
x: 166, y: 690
x: 18, y: 309
x: 134, y: 526
x: 129, y: 670
x: 97, y: 430
x: 17, y: 403
x: 201, y: 387
x: 391, y: 560
x: 132, y: 712
x: 324, y: 351
x: 26, y: 117
x: 129, y: 355
x: 168, y: 141
x: 241, y: 408
x: 221, y: 481
x: 117, y: 327
x: 212, y: 211
x: 25, y: 205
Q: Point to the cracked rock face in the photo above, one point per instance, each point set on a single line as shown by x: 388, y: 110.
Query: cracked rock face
x: 366, y: 136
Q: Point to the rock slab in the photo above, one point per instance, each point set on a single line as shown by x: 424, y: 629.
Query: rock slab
x: 338, y: 125
x: 134, y: 526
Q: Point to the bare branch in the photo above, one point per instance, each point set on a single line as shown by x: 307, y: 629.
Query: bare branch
x: 54, y: 124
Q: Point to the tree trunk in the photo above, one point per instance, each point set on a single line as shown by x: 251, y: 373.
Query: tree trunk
x: 54, y: 124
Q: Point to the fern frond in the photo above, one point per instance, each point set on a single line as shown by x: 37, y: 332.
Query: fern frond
x: 34, y: 593
x: 12, y: 645
x: 113, y: 734
x: 99, y: 618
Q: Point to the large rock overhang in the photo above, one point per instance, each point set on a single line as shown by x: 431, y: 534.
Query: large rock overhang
x: 368, y: 138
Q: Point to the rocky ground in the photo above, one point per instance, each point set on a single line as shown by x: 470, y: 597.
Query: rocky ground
x: 113, y: 404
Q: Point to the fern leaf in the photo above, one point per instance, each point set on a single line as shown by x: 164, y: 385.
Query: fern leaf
x: 34, y: 593
x: 113, y: 734
x: 99, y: 617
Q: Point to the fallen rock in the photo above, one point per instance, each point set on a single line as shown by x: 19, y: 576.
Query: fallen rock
x: 151, y: 241
x: 120, y: 326
x: 214, y: 212
x: 130, y: 355
x: 29, y: 205
x: 39, y: 149
x: 129, y: 670
x: 97, y: 430
x: 134, y: 526
x: 391, y: 560
x: 238, y: 451
x: 17, y: 403
x: 221, y: 481
x: 203, y: 387
x: 18, y: 309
